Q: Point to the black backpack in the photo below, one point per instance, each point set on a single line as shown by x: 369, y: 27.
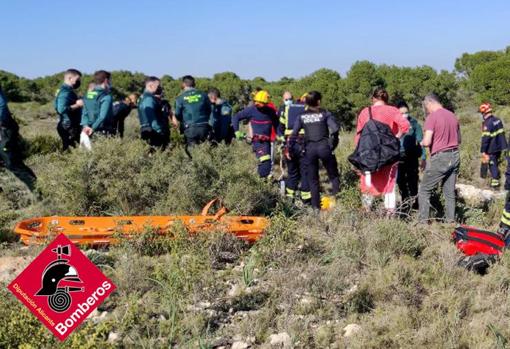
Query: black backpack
x: 377, y: 147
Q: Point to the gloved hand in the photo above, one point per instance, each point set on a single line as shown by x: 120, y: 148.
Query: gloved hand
x: 240, y: 135
x: 333, y: 141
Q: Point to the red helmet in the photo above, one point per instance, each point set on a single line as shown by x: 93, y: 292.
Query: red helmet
x: 485, y: 108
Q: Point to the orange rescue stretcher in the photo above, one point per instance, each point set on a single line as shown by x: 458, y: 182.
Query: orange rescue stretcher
x: 101, y: 231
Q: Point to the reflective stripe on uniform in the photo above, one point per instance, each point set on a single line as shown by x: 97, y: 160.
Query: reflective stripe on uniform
x: 265, y: 158
x: 306, y: 195
x: 289, y: 132
x: 493, y: 134
x: 505, y: 218
x: 290, y: 192
x: 92, y: 94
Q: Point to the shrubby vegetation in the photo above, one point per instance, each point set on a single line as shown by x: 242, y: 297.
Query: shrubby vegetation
x: 484, y: 73
x: 309, y: 276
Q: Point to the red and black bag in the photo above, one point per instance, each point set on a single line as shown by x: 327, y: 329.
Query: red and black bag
x: 480, y: 247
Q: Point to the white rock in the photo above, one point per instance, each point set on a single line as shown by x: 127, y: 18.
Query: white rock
x: 474, y: 195
x: 281, y: 340
x: 93, y: 314
x: 113, y: 337
x: 234, y: 291
x: 237, y: 338
x: 351, y: 329
x: 240, y: 345
x: 306, y: 300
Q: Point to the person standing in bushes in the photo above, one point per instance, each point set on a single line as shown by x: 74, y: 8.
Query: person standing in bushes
x: 193, y: 111
x: 411, y: 152
x: 97, y: 115
x: 294, y: 146
x: 153, y: 126
x: 383, y: 181
x: 442, y: 137
x: 121, y: 110
x: 493, y: 142
x: 221, y: 117
x: 10, y: 153
x: 504, y: 225
x: 263, y: 120
x: 68, y: 107
x: 321, y: 140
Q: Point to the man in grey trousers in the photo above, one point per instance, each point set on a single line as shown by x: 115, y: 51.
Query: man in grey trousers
x: 442, y: 137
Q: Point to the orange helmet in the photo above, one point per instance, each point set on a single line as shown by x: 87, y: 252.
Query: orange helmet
x: 485, y: 108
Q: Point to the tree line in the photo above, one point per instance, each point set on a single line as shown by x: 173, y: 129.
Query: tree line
x: 485, y: 75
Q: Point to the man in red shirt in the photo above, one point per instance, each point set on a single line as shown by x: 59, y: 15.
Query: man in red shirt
x: 442, y: 137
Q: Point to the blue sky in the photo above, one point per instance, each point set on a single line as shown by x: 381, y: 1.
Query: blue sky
x: 264, y: 38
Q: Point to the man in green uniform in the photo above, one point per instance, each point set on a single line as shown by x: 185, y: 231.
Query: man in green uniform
x: 68, y: 107
x: 221, y: 117
x: 193, y: 110
x: 97, y: 116
x: 10, y: 152
x: 154, y: 115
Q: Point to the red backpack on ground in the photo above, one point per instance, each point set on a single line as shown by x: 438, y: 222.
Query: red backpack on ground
x: 481, y: 248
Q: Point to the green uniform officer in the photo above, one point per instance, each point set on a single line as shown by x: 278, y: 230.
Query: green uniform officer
x: 193, y: 110
x: 10, y: 152
x: 97, y: 115
x: 68, y: 107
x: 154, y: 121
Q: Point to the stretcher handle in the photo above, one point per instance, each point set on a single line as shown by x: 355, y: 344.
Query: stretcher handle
x: 221, y: 212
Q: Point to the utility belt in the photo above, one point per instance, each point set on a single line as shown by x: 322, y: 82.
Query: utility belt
x: 261, y: 138
x: 200, y: 124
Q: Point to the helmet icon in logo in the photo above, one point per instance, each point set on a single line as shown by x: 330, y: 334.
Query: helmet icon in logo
x: 56, y: 279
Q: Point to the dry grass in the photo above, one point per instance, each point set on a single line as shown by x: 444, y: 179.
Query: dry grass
x: 310, y: 276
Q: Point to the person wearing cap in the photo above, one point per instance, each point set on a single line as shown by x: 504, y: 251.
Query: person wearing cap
x: 263, y: 120
x: 121, y: 110
x: 294, y: 146
x: 493, y: 143
x: 68, y: 107
x: 193, y: 111
x: 321, y: 140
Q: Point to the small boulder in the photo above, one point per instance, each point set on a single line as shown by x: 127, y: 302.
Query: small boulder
x: 280, y: 340
x: 240, y: 345
x: 351, y: 329
x: 113, y: 337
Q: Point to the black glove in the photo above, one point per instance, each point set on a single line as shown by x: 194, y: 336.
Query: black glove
x: 333, y: 141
